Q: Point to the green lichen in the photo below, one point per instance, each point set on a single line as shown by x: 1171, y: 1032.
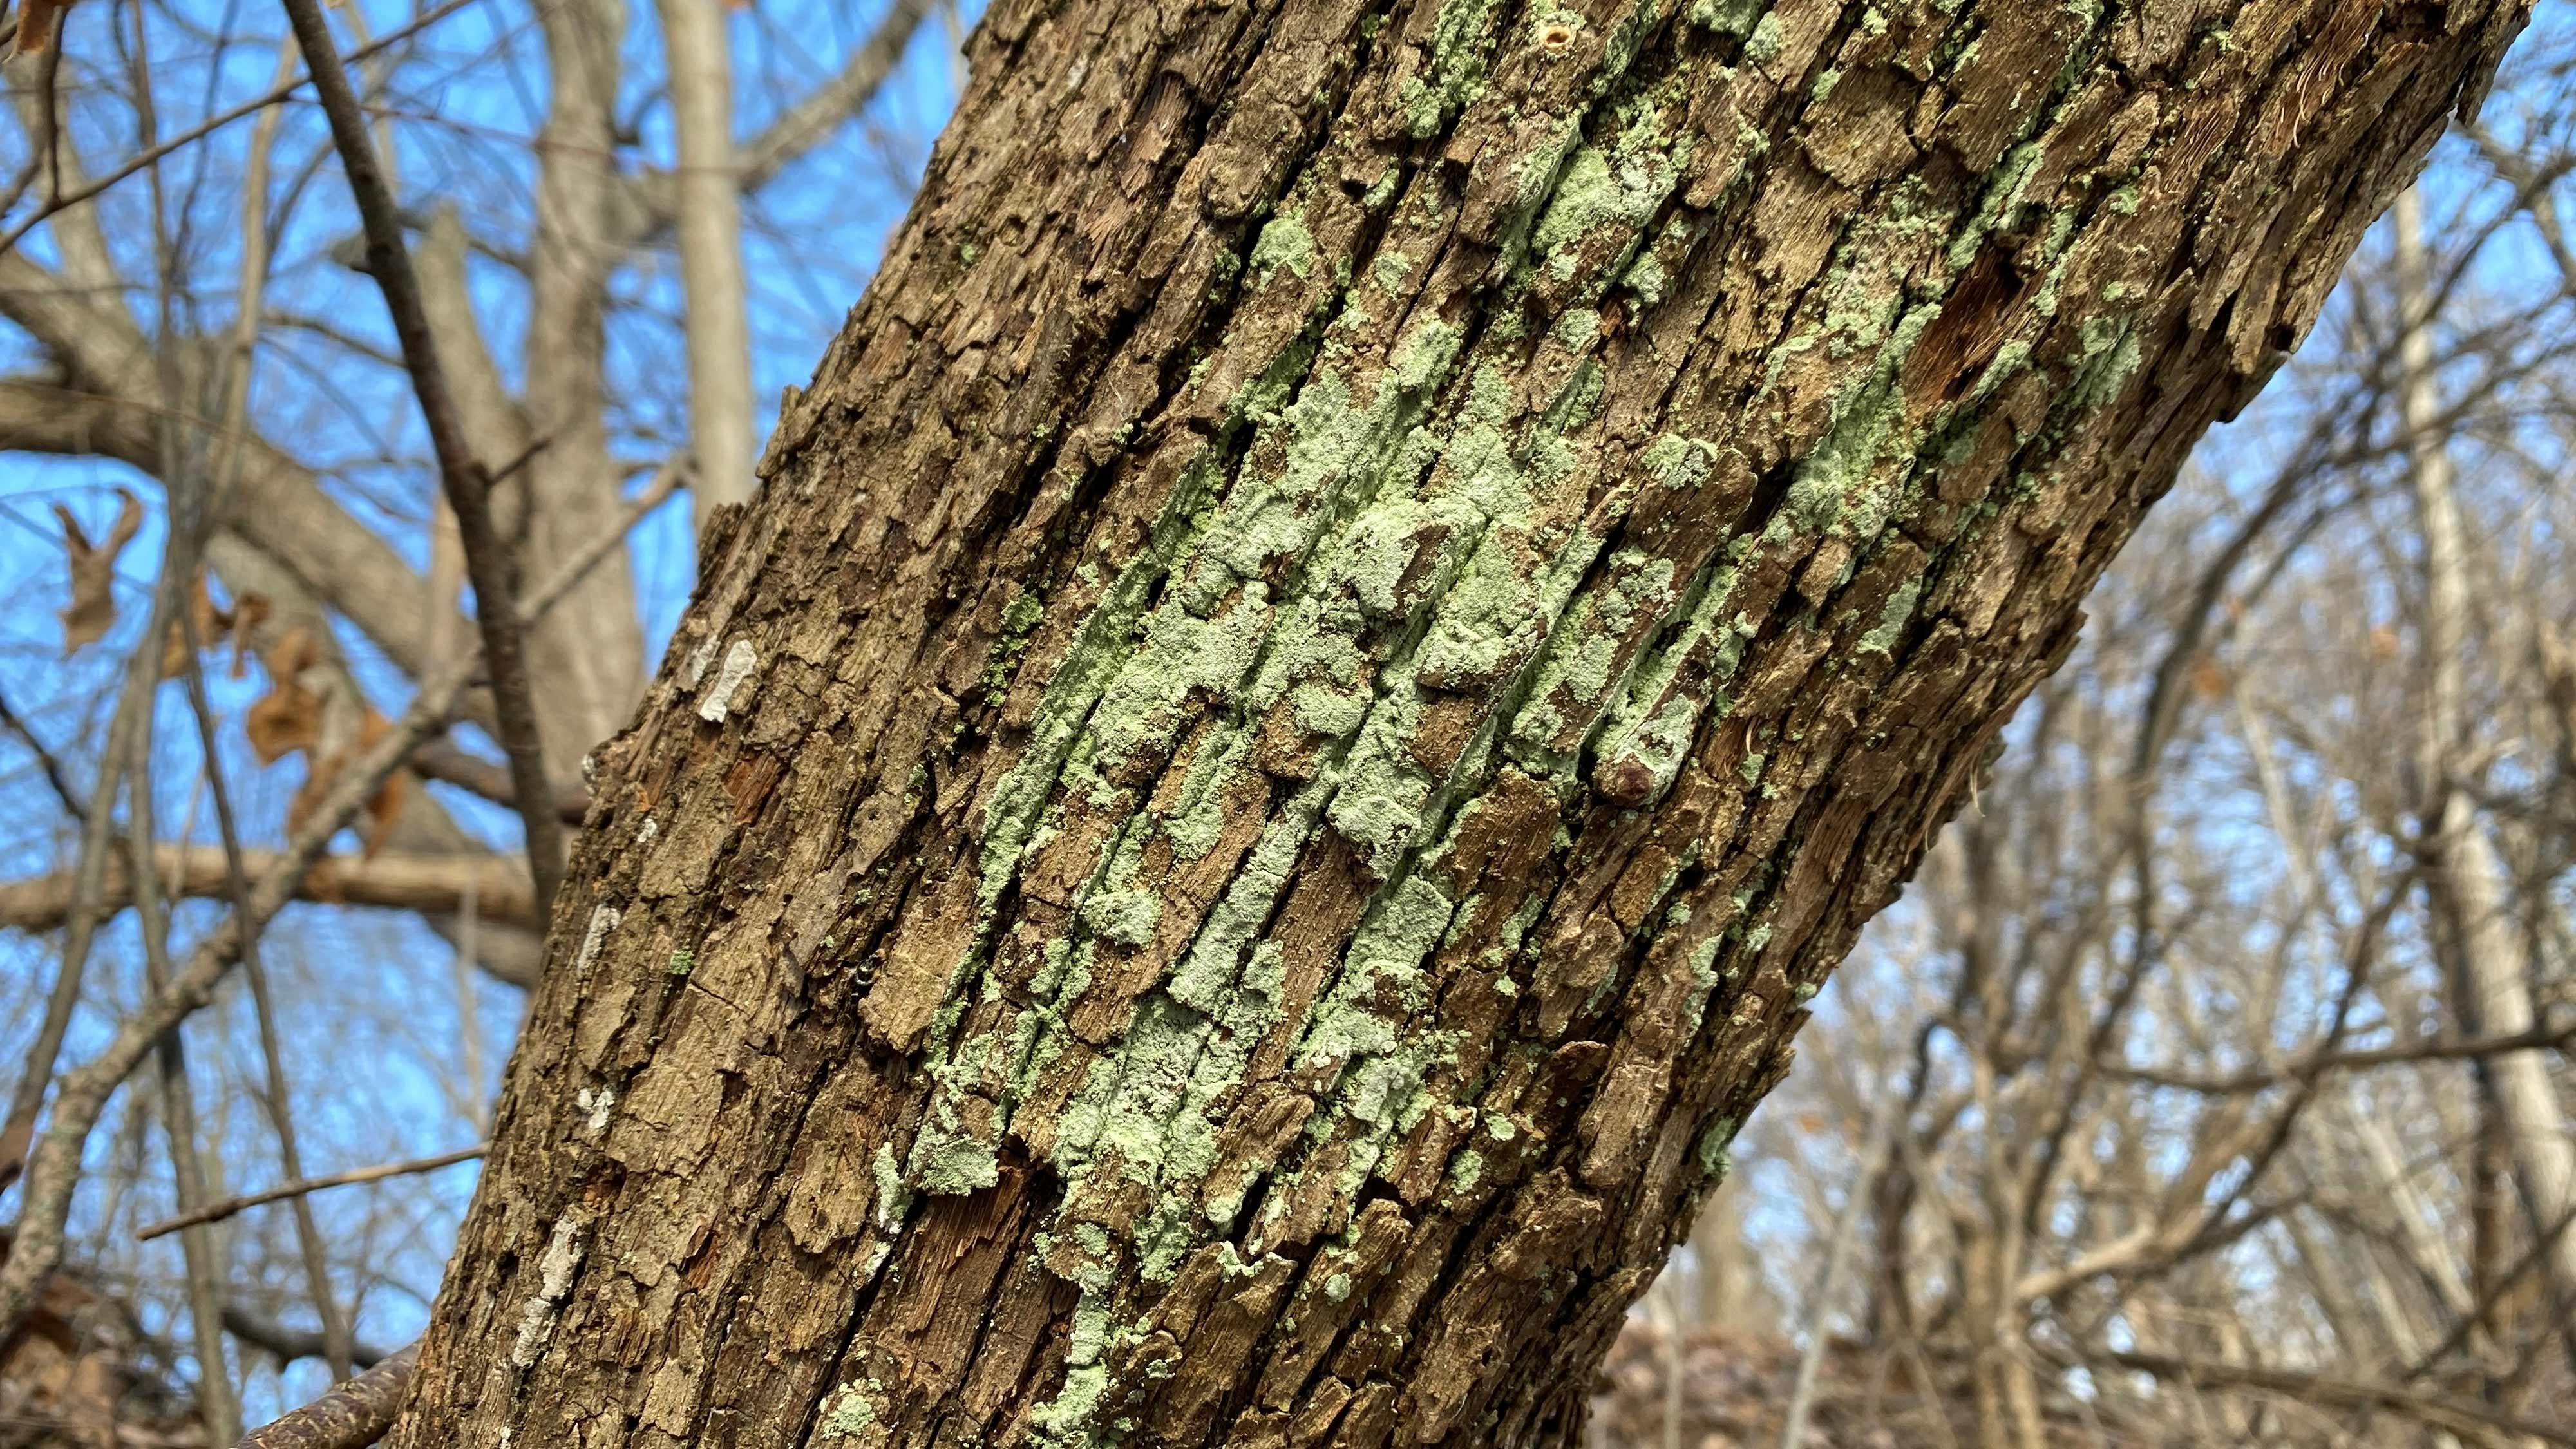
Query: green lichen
x: 1390, y: 268
x: 1020, y: 619
x: 1763, y: 47
x: 1382, y: 965
x: 1660, y: 743
x: 1460, y: 43
x: 850, y: 1413
x: 1702, y: 964
x: 1727, y: 17
x: 1713, y: 1145
x: 1284, y: 242
x: 2110, y: 357
x: 1601, y: 188
x: 1095, y: 659
x: 1676, y: 461
x: 1893, y: 619
x: 1127, y: 917
x: 1466, y: 1169
x: 1647, y: 278
x: 892, y: 1199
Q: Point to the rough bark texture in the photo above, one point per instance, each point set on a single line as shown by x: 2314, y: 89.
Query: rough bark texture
x: 1350, y: 629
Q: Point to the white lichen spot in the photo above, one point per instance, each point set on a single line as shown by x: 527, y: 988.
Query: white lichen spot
x: 699, y: 659
x: 892, y: 1197
x: 648, y: 832
x: 596, y: 1101
x: 717, y: 702
x: 554, y: 1280
x: 603, y: 919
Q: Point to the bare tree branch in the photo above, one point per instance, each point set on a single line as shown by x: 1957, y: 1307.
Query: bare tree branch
x: 355, y: 1413
x: 467, y: 485
x: 427, y: 883
x: 218, y: 1211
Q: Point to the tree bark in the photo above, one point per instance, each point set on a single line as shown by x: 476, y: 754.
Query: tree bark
x: 1359, y: 616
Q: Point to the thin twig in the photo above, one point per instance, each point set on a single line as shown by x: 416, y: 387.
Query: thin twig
x: 337, y: 1334
x: 45, y: 761
x: 97, y: 848
x: 440, y: 760
x: 468, y: 487
x: 216, y: 1212
x: 2440, y: 1411
x: 675, y: 472
x: 54, y: 1166
x: 2544, y: 1037
x: 143, y: 160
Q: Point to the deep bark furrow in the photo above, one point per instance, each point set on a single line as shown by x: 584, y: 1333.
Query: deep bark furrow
x: 1348, y: 632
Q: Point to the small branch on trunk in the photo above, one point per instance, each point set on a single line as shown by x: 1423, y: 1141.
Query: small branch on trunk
x: 448, y: 763
x: 216, y: 1212
x: 468, y: 486
x: 286, y: 1345
x: 354, y: 1414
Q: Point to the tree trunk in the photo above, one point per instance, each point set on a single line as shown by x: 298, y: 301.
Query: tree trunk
x: 1347, y: 633
x: 2478, y: 941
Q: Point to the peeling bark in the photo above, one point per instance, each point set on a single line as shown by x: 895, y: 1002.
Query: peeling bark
x: 1350, y: 629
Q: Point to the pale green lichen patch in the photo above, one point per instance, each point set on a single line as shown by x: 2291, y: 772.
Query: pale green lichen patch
x: 2110, y: 357
x: 1382, y: 981
x: 1656, y: 745
x: 1727, y: 17
x: 1590, y: 657
x: 893, y: 1199
x: 1461, y: 40
x: 1284, y: 242
x: 1097, y: 657
x: 850, y: 1412
x: 1893, y: 619
x: 1713, y: 1145
x: 1676, y: 461
x: 1763, y: 46
x: 1326, y: 442
x: 1127, y: 917
x: 1848, y: 485
x: 1180, y: 655
x: 1601, y: 188
x: 1020, y: 619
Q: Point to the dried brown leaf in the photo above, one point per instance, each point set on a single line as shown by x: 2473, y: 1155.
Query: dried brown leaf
x: 92, y: 611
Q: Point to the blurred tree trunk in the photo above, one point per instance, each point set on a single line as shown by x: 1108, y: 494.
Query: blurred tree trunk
x: 2480, y: 941
x: 1347, y: 633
